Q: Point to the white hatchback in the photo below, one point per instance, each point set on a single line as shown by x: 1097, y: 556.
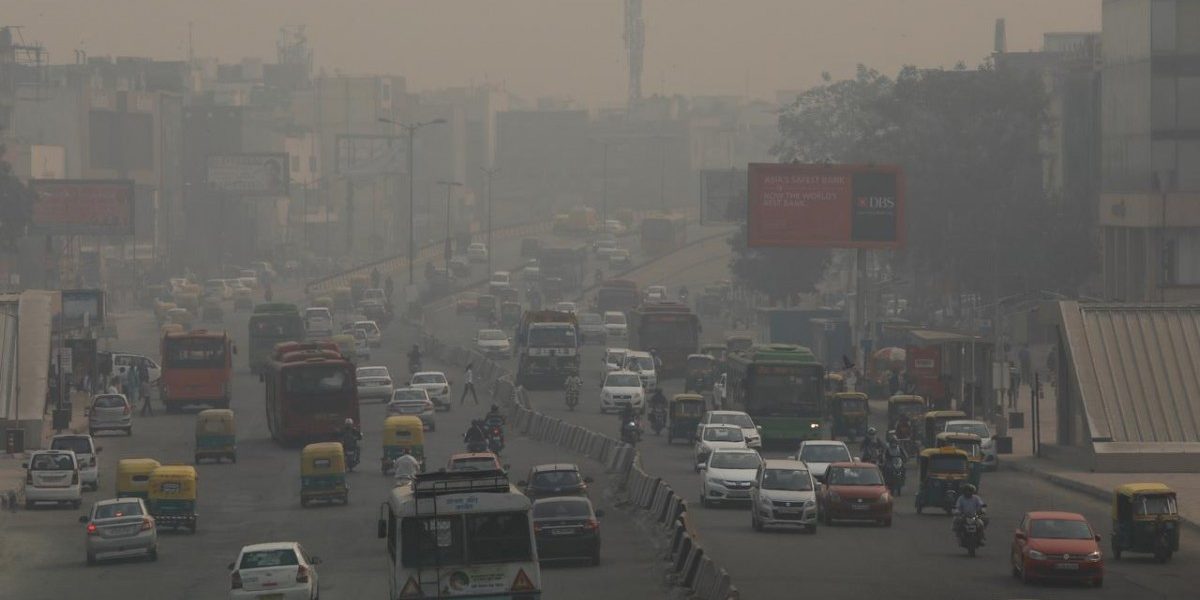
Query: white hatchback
x: 735, y: 418
x: 819, y: 454
x: 279, y: 570
x: 615, y: 324
x: 621, y: 389
x: 52, y: 476
x: 728, y: 474
x: 716, y: 437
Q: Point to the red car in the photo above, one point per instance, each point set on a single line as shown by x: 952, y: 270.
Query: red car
x: 1058, y: 546
x: 854, y: 491
x: 474, y: 461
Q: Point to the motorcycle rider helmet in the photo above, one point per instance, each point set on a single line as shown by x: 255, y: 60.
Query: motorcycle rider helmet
x: 348, y: 422
x: 871, y: 431
x: 968, y: 490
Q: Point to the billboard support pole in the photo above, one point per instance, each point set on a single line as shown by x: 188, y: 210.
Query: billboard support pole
x: 859, y: 308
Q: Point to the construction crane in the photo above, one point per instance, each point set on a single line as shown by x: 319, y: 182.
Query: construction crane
x: 635, y: 42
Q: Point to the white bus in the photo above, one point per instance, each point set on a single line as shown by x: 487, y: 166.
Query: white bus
x: 460, y: 535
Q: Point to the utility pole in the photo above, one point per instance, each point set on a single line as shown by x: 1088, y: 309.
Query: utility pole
x: 411, y: 130
x: 489, y: 173
x: 450, y: 185
x: 604, y: 191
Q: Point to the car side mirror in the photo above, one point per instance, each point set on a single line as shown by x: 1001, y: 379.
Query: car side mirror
x: 1097, y: 537
x: 702, y: 466
x: 587, y: 480
x: 758, y: 427
x: 84, y: 519
x: 1020, y: 535
x: 229, y: 566
x: 522, y: 483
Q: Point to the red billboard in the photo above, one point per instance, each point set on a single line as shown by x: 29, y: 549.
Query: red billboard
x: 831, y: 206
x: 82, y: 206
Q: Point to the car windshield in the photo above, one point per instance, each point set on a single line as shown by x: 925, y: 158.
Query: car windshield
x: 421, y: 378
x: 79, y: 445
x: 855, y: 476
x: 52, y: 462
x: 562, y: 509
x: 481, y: 463
x: 118, y: 509
x: 1060, y: 529
x: 590, y: 319
x: 825, y: 453
x: 614, y: 319
x: 368, y: 326
x: 735, y: 460
x: 793, y: 480
x: 552, y: 336
x: 622, y: 381
x: 723, y: 434
x: 735, y: 419
x: 258, y: 559
x: 978, y: 429
x: 615, y: 358
x: 639, y: 363
x: 491, y: 335
x: 373, y: 372
x: 409, y: 395
x: 109, y: 402
x: 555, y: 479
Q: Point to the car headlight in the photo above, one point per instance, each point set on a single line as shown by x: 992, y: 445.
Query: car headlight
x: 814, y: 425
x: 1035, y: 555
x: 885, y: 497
x: 1094, y: 557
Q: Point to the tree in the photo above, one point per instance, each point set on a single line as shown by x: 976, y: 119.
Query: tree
x: 780, y: 273
x: 16, y: 206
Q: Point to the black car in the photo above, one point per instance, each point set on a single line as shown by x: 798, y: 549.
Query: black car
x: 559, y: 479
x: 567, y: 528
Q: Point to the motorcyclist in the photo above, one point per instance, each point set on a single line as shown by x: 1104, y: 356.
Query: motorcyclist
x: 406, y: 466
x: 476, y: 436
x: 970, y: 504
x: 894, y: 450
x: 573, y: 385
x: 903, y: 427
x: 870, y: 444
x: 494, y: 418
x: 683, y: 293
x: 658, y: 400
x: 350, y: 436
x: 414, y: 357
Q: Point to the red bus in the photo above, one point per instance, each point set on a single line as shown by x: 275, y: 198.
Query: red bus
x: 197, y: 368
x: 309, y: 393
x: 671, y: 329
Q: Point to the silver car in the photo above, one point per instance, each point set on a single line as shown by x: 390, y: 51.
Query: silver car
x: 120, y: 528
x: 110, y: 412
x: 374, y: 382
x: 414, y: 402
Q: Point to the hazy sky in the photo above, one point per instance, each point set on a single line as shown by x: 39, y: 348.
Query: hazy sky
x: 562, y: 47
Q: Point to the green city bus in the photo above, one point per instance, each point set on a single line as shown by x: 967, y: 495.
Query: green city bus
x: 272, y: 323
x: 782, y: 388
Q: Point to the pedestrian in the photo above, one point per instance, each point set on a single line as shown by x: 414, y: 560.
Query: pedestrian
x: 469, y: 386
x: 1026, y: 363
x: 1014, y: 384
x: 389, y: 286
x: 375, y: 277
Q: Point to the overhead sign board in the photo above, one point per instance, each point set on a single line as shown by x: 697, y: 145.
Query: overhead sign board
x: 81, y: 308
x: 82, y: 206
x: 261, y: 174
x: 831, y: 206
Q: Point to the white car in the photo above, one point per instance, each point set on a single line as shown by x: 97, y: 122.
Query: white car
x: 493, y: 343
x: 713, y: 437
x: 615, y: 324
x: 819, y: 454
x: 991, y: 460
x: 656, y: 294
x: 567, y: 307
x: 52, y: 476
x: 621, y: 389
x: 414, y: 402
x: 371, y: 329
x: 318, y: 322
x: 642, y: 364
x: 614, y: 359
x: 500, y: 280
x: 719, y: 390
x: 752, y: 432
x: 85, y: 451
x: 218, y: 289
x: 783, y: 494
x: 728, y: 473
x: 435, y: 384
x: 477, y: 252
x: 362, y: 347
x: 279, y: 570
x: 591, y: 328
x: 614, y: 227
x: 374, y: 382
x: 122, y: 361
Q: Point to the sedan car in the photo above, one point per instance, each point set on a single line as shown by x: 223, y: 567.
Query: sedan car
x: 991, y: 461
x: 557, y: 479
x: 567, y: 528
x: 415, y: 402
x: 567, y: 307
x: 621, y: 389
x: 278, y: 570
x: 728, y: 474
x: 752, y: 432
x: 592, y: 329
x: 374, y: 382
x: 120, y: 528
x: 855, y: 491
x: 715, y: 437
x: 619, y: 259
x: 474, y: 461
x: 1054, y: 545
x: 371, y: 329
x: 477, y: 252
x: 493, y: 343
x: 110, y: 412
x: 436, y: 385
x: 819, y: 454
x: 783, y: 494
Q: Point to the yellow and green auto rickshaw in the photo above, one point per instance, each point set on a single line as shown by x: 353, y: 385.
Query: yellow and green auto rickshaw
x: 717, y: 351
x: 133, y: 477
x: 943, y: 472
x: 848, y: 412
x: 400, y: 433
x: 172, y: 496
x: 935, y: 423
x: 684, y: 412
x: 323, y: 474
x: 738, y: 342
x: 216, y: 435
x: 835, y: 383
x: 967, y: 442
x: 700, y: 373
x: 1145, y: 519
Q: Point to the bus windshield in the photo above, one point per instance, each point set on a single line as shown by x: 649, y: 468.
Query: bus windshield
x: 786, y: 391
x: 311, y: 380
x: 552, y: 337
x: 679, y: 331
x: 277, y: 326
x: 194, y: 353
x: 465, y: 539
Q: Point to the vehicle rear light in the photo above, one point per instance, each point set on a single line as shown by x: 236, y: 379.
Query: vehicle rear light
x: 235, y: 581
x: 592, y: 525
x: 387, y: 382
x: 91, y: 529
x: 75, y: 478
x: 29, y: 478
x: 147, y: 523
x: 302, y: 574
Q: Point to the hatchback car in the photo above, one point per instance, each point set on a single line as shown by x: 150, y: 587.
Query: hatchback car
x: 855, y: 491
x: 783, y: 494
x: 110, y: 412
x: 752, y: 432
x: 85, y: 450
x: 52, y: 476
x: 1055, y: 545
x: 371, y: 329
x: 714, y: 437
x: 642, y: 364
x: 567, y: 528
x: 435, y: 385
x: 362, y: 348
x: 557, y: 479
x: 318, y: 322
x: 280, y: 570
x: 615, y: 325
x: 728, y: 473
x: 374, y: 382
x: 819, y: 454
x: 619, y: 258
x: 991, y: 459
x: 621, y: 389
x: 591, y: 328
x: 413, y: 401
x: 120, y: 528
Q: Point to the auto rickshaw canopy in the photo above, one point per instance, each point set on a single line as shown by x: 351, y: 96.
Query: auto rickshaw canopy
x: 323, y: 457
x: 687, y: 405
x: 215, y: 421
x: 173, y: 481
x: 403, y: 430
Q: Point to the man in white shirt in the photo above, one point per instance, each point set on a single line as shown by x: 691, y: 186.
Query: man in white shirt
x: 406, y: 467
x: 469, y: 386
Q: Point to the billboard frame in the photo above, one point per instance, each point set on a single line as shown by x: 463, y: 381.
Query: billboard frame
x: 284, y: 160
x: 127, y: 186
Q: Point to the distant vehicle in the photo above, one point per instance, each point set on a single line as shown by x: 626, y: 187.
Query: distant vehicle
x: 617, y: 295
x: 467, y: 302
x: 603, y: 248
x: 110, y: 412
x: 460, y: 266
x: 197, y: 369
x: 117, y: 364
x: 371, y: 330
x: 85, y: 451
x: 378, y: 294
x: 52, y: 476
x: 556, y: 479
x: 614, y: 227
x: 567, y: 528
x: 493, y: 343
x: 217, y: 288
x: 728, y: 473
x: 783, y: 494
x: 664, y: 233
x: 567, y: 307
x: 310, y: 392
x: 614, y: 359
x: 642, y: 364
x: 592, y: 328
x: 120, y: 528
x: 621, y: 389
x: 819, y: 454
x: 737, y: 419
x: 1060, y: 546
x: 499, y: 279
x: 270, y: 324
x: 362, y: 344
x: 474, y: 461
x: 714, y: 437
x: 655, y: 294
x: 373, y: 382
x: 282, y: 570
x: 854, y: 491
x: 436, y: 385
x: 318, y: 322
x: 415, y: 402
x: 619, y: 258
x: 991, y: 460
x: 477, y: 252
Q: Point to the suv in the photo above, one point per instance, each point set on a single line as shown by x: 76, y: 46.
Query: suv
x: 318, y: 322
x: 558, y: 479
x: 85, y: 455
x: 783, y: 493
x: 591, y: 328
x: 52, y: 476
x: 110, y: 412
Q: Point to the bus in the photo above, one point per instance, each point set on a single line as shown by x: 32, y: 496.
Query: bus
x: 272, y: 323
x: 782, y: 388
x: 671, y: 329
x: 663, y: 233
x: 617, y: 294
x: 197, y: 368
x: 564, y: 262
x: 465, y: 534
x: 310, y: 391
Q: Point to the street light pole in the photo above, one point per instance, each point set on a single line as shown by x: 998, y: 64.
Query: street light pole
x: 489, y: 172
x: 449, y: 188
x: 411, y: 130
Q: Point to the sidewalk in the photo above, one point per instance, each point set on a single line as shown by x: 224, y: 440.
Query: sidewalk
x: 12, y: 476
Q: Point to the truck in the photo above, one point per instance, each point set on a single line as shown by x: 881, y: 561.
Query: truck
x: 670, y: 329
x: 565, y: 263
x: 547, y: 349
x: 617, y: 294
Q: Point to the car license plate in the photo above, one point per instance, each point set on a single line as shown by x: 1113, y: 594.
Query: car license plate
x: 127, y: 530
x: 1067, y: 566
x: 561, y: 532
x: 859, y: 507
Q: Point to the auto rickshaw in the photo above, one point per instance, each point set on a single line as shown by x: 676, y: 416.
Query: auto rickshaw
x: 170, y: 328
x: 216, y: 436
x: 343, y: 298
x: 943, y: 472
x: 181, y: 317
x: 243, y: 299
x: 400, y: 432
x: 161, y: 309
x: 211, y: 311
x: 849, y: 412
x: 133, y: 477
x: 189, y: 301
x: 935, y: 423
x: 969, y: 443
x: 835, y: 383
x: 717, y: 351
x: 683, y: 414
x: 323, y: 474
x: 485, y: 309
x: 172, y: 496
x: 905, y: 416
x: 1145, y: 519
x: 701, y: 373
x: 510, y: 314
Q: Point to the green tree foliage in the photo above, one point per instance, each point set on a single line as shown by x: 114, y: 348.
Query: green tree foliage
x: 780, y: 273
x: 16, y: 207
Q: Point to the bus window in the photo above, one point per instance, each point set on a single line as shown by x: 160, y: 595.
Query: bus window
x: 498, y: 537
x: 196, y: 353
x: 431, y: 541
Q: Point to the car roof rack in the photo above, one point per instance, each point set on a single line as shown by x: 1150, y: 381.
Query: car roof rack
x: 458, y: 482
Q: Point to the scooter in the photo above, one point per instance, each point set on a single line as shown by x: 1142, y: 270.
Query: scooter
x: 658, y: 419
x: 351, y: 457
x: 630, y: 432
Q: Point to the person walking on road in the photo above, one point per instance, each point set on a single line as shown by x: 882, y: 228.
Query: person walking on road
x: 1014, y: 385
x: 136, y: 391
x: 469, y: 386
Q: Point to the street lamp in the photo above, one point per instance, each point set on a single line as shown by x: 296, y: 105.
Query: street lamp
x: 449, y: 186
x: 489, y: 172
x: 411, y: 130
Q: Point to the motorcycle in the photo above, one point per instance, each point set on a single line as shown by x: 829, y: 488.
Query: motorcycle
x: 658, y: 419
x: 572, y: 398
x: 894, y: 475
x: 351, y: 457
x: 970, y: 533
x: 873, y: 455
x: 495, y: 440
x: 630, y: 432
